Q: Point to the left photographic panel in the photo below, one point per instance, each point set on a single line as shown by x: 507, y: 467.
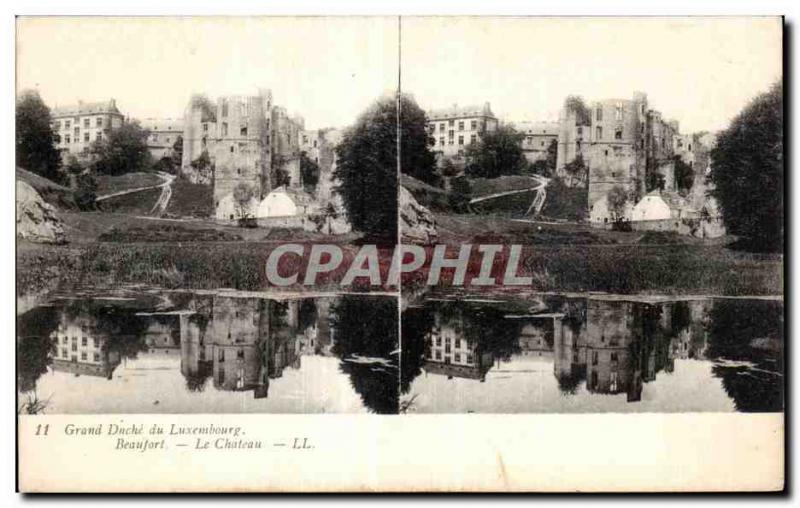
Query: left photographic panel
x: 190, y: 196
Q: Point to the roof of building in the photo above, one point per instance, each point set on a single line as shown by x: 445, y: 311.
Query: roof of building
x: 299, y: 196
x: 540, y: 128
x: 162, y: 124
x: 86, y: 108
x: 456, y: 111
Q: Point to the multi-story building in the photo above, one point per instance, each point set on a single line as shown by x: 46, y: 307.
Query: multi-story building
x: 164, y: 133
x: 80, y: 347
x: 450, y: 352
x: 453, y: 129
x: 80, y: 125
x: 538, y: 138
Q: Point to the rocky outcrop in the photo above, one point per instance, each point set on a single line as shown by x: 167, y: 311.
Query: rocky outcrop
x: 37, y: 220
x: 417, y: 223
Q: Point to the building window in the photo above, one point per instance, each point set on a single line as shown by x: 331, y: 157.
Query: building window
x: 438, y: 355
x: 441, y: 127
x: 231, y: 148
x: 83, y: 341
x: 618, y: 134
x: 66, y: 138
x: 86, y: 123
x: 473, y: 125
x: 461, y: 140
x: 438, y: 341
x: 97, y: 357
x: 451, y: 122
x: 457, y: 357
x: 83, y: 356
x: 99, y: 122
x: 618, y: 111
x: 99, y: 136
x: 86, y: 136
x: 473, y: 138
x: 221, y: 376
x: 66, y: 124
x: 461, y: 126
x: 243, y: 131
x: 441, y: 141
x: 221, y: 355
x: 224, y: 107
x: 224, y: 129
x: 599, y: 114
x: 599, y: 132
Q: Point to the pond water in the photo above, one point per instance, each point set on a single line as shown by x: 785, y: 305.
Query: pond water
x: 128, y: 351
x: 590, y: 355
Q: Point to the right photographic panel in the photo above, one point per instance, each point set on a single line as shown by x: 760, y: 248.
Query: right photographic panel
x: 591, y: 215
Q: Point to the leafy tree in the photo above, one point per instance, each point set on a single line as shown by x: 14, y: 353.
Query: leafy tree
x: 280, y: 176
x: 85, y: 191
x: 122, y: 150
x: 416, y: 157
x: 617, y: 198
x: 202, y: 164
x: 583, y: 115
x: 655, y: 180
x: 460, y: 194
x: 177, y: 152
x: 684, y: 175
x: 366, y: 171
x: 576, y: 171
x: 497, y: 153
x: 242, y: 195
x: 450, y: 168
x: 35, y: 138
x: 747, y: 171
x: 309, y: 172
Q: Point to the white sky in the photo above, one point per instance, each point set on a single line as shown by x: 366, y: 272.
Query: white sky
x: 700, y: 71
x: 326, y: 69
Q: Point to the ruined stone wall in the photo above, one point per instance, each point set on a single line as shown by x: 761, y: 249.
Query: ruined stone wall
x: 241, y: 149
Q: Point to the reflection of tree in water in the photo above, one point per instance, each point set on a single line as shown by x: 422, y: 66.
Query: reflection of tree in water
x: 35, y: 349
x: 417, y: 323
x: 749, y: 331
x: 366, y: 329
x: 196, y: 379
x: 307, y: 313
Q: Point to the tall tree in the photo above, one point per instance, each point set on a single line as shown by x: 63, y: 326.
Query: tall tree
x: 309, y: 172
x: 496, y: 153
x: 36, y: 141
x: 747, y: 171
x: 416, y: 157
x: 122, y: 150
x: 366, y: 171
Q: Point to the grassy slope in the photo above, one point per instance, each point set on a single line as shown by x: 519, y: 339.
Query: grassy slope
x: 110, y: 184
x: 135, y: 203
x: 190, y: 200
x: 57, y: 195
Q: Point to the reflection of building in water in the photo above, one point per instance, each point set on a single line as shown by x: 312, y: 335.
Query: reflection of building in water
x: 163, y: 332
x: 451, y: 353
x: 240, y: 342
x: 538, y: 334
x: 611, y: 366
x: 80, y: 347
x: 622, y: 345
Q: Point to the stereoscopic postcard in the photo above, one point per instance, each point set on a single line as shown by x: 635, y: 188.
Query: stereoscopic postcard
x: 399, y: 254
